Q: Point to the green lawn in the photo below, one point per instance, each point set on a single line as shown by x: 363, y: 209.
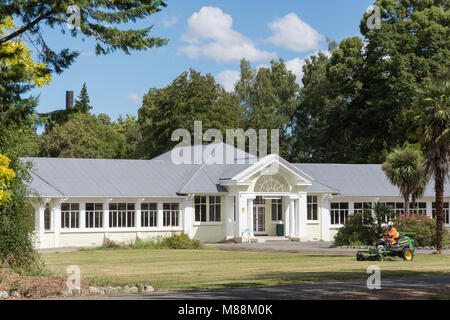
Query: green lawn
x: 224, y: 269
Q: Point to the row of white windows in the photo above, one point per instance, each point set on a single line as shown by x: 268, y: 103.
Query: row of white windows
x: 121, y: 215
x: 202, y: 203
x: 340, y: 210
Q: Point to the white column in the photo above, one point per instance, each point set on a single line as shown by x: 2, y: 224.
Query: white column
x: 301, y: 216
x: 429, y: 208
x: 56, y: 213
x: 291, y: 217
x: 229, y: 215
x: 188, y: 216
x: 325, y: 219
x: 137, y: 221
x: 237, y: 222
x: 286, y: 216
x: 250, y: 215
x: 83, y: 215
x: 106, y: 213
x: 241, y: 215
x: 160, y: 215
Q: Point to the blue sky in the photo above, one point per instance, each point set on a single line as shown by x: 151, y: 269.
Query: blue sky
x: 208, y: 36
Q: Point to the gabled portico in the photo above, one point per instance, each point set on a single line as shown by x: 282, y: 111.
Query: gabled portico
x: 271, y: 191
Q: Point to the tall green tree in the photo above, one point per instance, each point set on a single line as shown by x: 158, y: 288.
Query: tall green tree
x: 329, y: 122
x: 84, y: 136
x: 412, y: 44
x: 405, y: 169
x: 309, y: 116
x: 98, y: 20
x: 190, y: 97
x: 369, y: 82
x: 431, y: 119
x: 82, y: 104
x: 130, y: 129
x: 269, y: 99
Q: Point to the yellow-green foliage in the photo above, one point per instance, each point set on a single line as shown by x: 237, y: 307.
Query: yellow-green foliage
x: 6, y: 175
x: 21, y: 54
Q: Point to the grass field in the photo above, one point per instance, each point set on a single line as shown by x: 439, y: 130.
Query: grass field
x: 214, y: 268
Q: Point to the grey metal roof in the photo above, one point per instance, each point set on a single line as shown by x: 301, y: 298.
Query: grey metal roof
x: 358, y: 179
x: 62, y: 177
x: 101, y: 177
x: 42, y: 188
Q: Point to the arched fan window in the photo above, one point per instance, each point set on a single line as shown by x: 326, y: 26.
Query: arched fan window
x: 271, y: 183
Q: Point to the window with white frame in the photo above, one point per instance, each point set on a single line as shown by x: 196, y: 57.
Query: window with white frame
x: 277, y: 210
x: 446, y: 212
x: 94, y: 215
x: 200, y: 208
x: 360, y: 207
x: 47, y: 218
x: 214, y: 209
x: 121, y: 215
x: 171, y: 214
x: 70, y: 215
x: 398, y: 207
x: 312, y: 208
x: 418, y: 207
x: 339, y: 212
x: 149, y: 214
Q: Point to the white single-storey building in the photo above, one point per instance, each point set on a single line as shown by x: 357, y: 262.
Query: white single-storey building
x: 82, y: 202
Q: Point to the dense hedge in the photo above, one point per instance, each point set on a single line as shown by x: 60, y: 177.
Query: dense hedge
x: 424, y: 228
x: 363, y: 229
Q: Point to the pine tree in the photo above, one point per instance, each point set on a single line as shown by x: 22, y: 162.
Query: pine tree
x: 82, y: 103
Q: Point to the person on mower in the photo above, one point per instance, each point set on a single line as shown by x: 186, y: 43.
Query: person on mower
x: 389, y: 237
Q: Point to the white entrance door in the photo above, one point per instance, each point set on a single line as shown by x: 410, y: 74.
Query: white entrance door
x: 259, y: 219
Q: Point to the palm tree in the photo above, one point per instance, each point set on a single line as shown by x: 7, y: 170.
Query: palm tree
x: 404, y: 168
x: 431, y: 111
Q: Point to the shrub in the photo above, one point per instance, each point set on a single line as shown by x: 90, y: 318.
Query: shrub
x: 181, y: 241
x: 424, y: 228
x: 364, y: 228
x: 16, y: 224
x: 176, y: 241
x: 357, y: 230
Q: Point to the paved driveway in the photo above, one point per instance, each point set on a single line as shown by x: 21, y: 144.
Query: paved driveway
x: 298, y: 291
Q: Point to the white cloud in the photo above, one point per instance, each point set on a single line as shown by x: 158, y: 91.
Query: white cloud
x: 135, y: 98
x: 294, y: 34
x: 209, y: 34
x: 168, y: 22
x: 296, y: 67
x: 228, y: 79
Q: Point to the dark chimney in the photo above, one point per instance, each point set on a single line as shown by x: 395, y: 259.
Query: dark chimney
x: 69, y: 100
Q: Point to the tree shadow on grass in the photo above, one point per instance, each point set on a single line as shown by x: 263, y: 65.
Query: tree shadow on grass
x: 292, y: 278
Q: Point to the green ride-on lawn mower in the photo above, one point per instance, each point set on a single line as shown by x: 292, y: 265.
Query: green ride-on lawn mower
x: 402, y: 249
